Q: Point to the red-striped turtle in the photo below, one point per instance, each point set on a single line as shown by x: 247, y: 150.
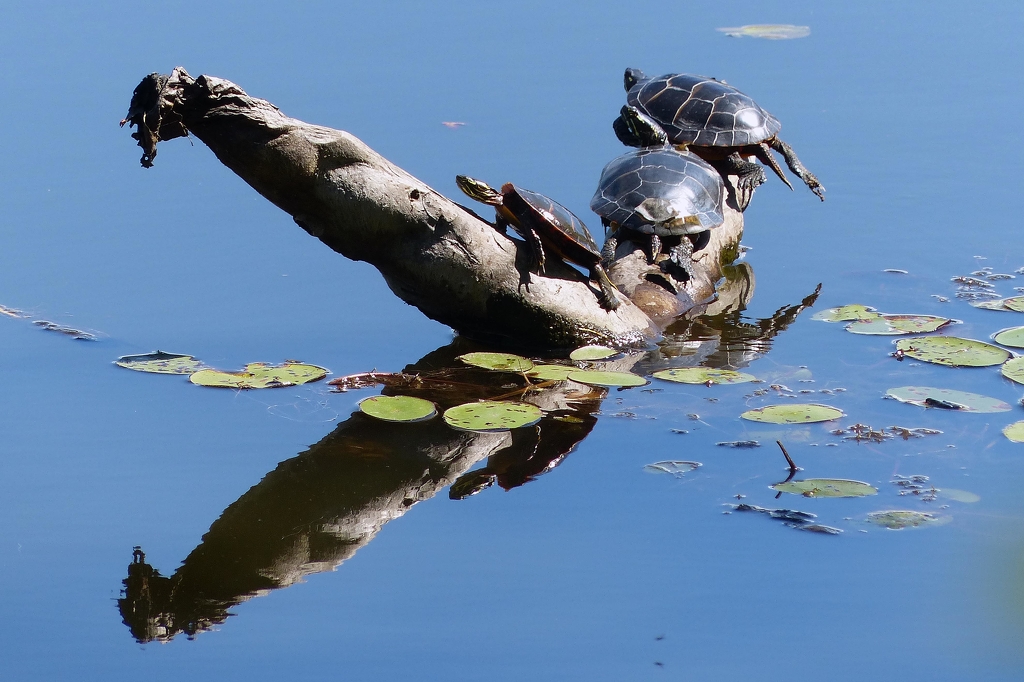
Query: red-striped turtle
x: 544, y: 224
x: 715, y: 121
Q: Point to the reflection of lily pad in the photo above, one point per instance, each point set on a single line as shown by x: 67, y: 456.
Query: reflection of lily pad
x: 899, y: 519
x: 675, y: 468
x: 767, y: 31
x: 260, y: 375
x: 1013, y: 370
x: 489, y: 415
x: 952, y: 351
x: 892, y: 325
x: 1012, y: 337
x: 592, y: 353
x: 703, y: 375
x: 1015, y: 432
x: 551, y: 372
x: 160, y: 363
x: 398, y: 408
x: 846, y: 313
x: 960, y: 401
x: 826, y: 487
x: 610, y: 379
x: 501, y: 362
x: 796, y: 413
x: 959, y: 495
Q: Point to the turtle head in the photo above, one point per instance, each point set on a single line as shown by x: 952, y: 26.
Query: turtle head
x: 478, y: 189
x: 632, y: 77
x: 636, y: 129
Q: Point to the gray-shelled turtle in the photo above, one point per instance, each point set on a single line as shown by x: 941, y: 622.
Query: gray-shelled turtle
x: 715, y: 121
x: 543, y: 222
x: 657, y: 192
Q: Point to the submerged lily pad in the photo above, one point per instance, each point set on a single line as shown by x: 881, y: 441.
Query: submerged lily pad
x: 960, y: 401
x: 260, y: 375
x: 846, y: 313
x: 677, y: 468
x: 892, y: 325
x: 1013, y: 370
x: 957, y: 495
x: 1012, y: 337
x: 593, y: 353
x: 160, y: 363
x: 767, y: 31
x: 703, y: 375
x: 489, y: 415
x: 398, y: 408
x: 795, y: 413
x: 826, y: 487
x: 501, y: 362
x: 551, y: 372
x: 609, y: 379
x: 1015, y: 432
x: 953, y: 352
x: 898, y: 519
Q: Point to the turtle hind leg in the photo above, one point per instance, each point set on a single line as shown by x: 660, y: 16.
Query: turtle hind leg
x: 536, y: 249
x: 609, y: 297
x: 680, y: 258
x: 751, y: 175
x: 611, y: 243
x: 798, y: 168
x: 764, y: 154
x: 654, y: 246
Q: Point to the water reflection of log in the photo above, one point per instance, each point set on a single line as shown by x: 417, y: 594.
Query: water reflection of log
x: 316, y: 510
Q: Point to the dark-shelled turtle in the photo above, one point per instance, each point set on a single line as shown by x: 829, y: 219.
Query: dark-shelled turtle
x: 715, y: 121
x: 543, y: 222
x: 658, y: 191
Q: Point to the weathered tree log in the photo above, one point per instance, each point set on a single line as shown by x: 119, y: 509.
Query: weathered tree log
x: 433, y: 253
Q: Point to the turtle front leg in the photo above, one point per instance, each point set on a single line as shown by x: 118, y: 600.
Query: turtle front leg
x: 751, y: 175
x: 764, y: 155
x: 655, y: 249
x: 609, y: 294
x: 680, y: 258
x: 798, y: 168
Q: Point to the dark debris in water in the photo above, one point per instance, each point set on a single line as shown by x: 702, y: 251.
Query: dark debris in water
x: 76, y: 334
x: 916, y: 485
x: 739, y: 444
x: 790, y: 517
x: 863, y: 432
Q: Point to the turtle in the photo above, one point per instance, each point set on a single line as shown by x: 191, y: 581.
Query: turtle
x: 545, y: 225
x: 658, y: 191
x: 717, y: 122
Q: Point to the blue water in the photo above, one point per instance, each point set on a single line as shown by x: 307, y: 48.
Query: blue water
x: 597, y: 569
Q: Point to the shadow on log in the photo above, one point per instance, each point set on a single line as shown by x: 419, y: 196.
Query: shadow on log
x: 433, y: 253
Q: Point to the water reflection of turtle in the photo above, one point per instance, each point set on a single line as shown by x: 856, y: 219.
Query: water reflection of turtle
x: 543, y: 222
x: 715, y: 121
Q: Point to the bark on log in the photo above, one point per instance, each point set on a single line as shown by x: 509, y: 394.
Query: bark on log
x: 434, y: 253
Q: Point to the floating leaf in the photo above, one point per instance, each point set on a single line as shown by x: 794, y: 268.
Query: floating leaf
x: 952, y: 351
x: 1012, y: 337
x: 961, y: 401
x: 551, y: 372
x: 610, y: 379
x: 846, y: 313
x: 767, y: 31
x: 260, y: 375
x: 592, y: 353
x: 704, y: 375
x: 826, y: 487
x: 673, y: 467
x: 398, y: 408
x: 897, y: 519
x: 489, y: 415
x: 795, y: 413
x: 891, y: 325
x: 1013, y: 370
x: 1016, y: 303
x: 959, y: 495
x: 501, y: 362
x: 1015, y: 432
x: 160, y: 363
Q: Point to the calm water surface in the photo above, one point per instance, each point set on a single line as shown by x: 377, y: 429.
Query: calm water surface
x: 595, y: 570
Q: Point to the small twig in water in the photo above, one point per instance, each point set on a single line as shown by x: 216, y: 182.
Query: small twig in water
x: 793, y: 468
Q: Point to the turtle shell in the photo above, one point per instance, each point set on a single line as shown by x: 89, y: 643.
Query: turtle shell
x: 702, y: 111
x: 557, y: 226
x: 679, y: 182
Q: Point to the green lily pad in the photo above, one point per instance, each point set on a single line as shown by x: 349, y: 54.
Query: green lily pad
x: 500, y: 362
x: 551, y: 372
x: 826, y: 487
x: 892, y: 325
x: 952, y: 351
x: 592, y: 353
x: 1013, y: 369
x: 260, y: 375
x: 489, y: 415
x: 1015, y: 303
x: 398, y: 408
x: 846, y: 313
x: 160, y: 362
x: 897, y: 519
x: 1012, y: 337
x: 703, y: 375
x: 609, y: 379
x: 960, y: 401
x: 767, y: 31
x: 1015, y: 432
x: 794, y: 413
